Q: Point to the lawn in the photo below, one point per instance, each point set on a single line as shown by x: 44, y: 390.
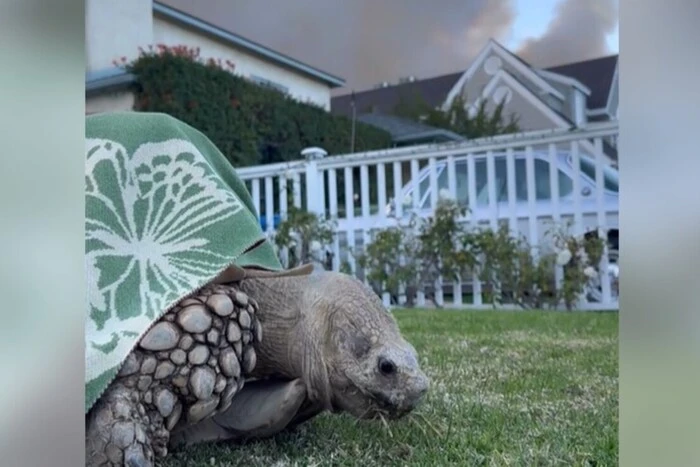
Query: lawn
x: 508, y: 388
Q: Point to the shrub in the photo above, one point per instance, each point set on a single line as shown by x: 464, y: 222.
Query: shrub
x: 249, y: 123
x: 417, y: 252
x: 302, y: 237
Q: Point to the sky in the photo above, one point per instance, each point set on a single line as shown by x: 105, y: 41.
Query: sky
x: 370, y: 41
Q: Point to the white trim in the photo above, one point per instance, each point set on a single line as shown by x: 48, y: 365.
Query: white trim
x: 564, y: 80
x: 579, y: 107
x: 498, y: 49
x: 612, y: 88
x: 456, y: 88
x: 524, y: 92
x: 529, y: 96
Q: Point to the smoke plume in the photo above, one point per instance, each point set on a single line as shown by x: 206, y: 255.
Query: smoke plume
x: 368, y: 41
x: 577, y: 32
x: 365, y: 41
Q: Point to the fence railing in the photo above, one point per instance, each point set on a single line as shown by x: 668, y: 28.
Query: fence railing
x: 529, y: 180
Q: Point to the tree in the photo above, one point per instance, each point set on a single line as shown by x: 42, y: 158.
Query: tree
x: 456, y: 118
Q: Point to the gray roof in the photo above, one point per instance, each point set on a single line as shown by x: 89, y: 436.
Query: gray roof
x: 110, y: 79
x: 241, y: 42
x: 384, y: 100
x: 403, y: 129
x: 596, y: 74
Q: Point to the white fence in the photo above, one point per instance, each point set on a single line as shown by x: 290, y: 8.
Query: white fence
x: 505, y: 178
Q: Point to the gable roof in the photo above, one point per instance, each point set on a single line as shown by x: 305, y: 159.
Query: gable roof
x: 206, y: 28
x: 594, y: 77
x: 516, y: 62
x: 384, y: 100
x: 596, y: 74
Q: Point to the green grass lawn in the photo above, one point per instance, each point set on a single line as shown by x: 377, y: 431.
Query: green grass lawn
x: 508, y: 388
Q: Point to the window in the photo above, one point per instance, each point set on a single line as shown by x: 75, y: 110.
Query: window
x: 269, y: 84
x: 610, y: 180
x: 542, y: 183
x: 543, y: 190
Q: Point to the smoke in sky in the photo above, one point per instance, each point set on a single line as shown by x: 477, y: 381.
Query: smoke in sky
x: 368, y: 41
x: 578, y: 31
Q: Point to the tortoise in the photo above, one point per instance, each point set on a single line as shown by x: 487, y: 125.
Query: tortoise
x: 195, y: 333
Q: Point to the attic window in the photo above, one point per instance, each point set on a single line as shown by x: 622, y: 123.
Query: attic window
x: 492, y: 65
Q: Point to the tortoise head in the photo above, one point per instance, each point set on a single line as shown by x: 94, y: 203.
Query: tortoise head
x: 371, y: 370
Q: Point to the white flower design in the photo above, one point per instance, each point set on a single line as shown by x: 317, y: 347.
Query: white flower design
x: 146, y: 247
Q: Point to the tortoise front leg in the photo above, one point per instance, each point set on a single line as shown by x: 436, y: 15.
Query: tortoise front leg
x: 260, y: 410
x: 120, y: 430
x: 307, y: 411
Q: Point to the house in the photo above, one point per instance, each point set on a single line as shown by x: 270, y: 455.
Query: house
x: 116, y: 29
x: 564, y: 96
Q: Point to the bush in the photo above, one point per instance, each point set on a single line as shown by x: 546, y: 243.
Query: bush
x: 302, y: 237
x: 417, y: 252
x: 389, y: 260
x: 402, y: 259
x: 249, y: 123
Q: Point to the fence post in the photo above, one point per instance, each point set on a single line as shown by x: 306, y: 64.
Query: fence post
x: 312, y: 187
x: 313, y: 197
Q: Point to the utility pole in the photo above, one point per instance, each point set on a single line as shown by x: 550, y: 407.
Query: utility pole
x: 354, y: 114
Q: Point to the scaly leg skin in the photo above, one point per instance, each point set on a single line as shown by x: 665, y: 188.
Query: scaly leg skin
x: 188, y: 367
x: 121, y: 431
x: 260, y: 410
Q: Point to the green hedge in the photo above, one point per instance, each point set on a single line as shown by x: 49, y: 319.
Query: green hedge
x: 251, y: 124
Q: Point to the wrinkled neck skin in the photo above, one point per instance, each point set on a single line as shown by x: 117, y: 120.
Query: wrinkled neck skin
x: 289, y: 346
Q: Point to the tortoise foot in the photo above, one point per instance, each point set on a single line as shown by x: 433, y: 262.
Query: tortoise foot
x: 122, y: 431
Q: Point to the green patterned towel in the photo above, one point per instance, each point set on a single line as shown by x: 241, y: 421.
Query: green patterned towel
x: 165, y: 213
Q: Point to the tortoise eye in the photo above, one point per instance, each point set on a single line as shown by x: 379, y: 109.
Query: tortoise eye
x: 386, y: 367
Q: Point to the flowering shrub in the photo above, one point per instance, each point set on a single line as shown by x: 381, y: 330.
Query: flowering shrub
x: 579, y: 258
x: 302, y: 237
x: 416, y: 252
x: 389, y: 260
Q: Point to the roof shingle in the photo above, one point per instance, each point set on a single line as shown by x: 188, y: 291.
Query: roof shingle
x: 596, y: 75
x: 384, y: 100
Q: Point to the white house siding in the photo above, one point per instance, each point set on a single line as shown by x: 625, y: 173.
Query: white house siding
x: 110, y: 102
x: 481, y: 78
x: 299, y: 87
x: 530, y: 117
x: 115, y: 29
